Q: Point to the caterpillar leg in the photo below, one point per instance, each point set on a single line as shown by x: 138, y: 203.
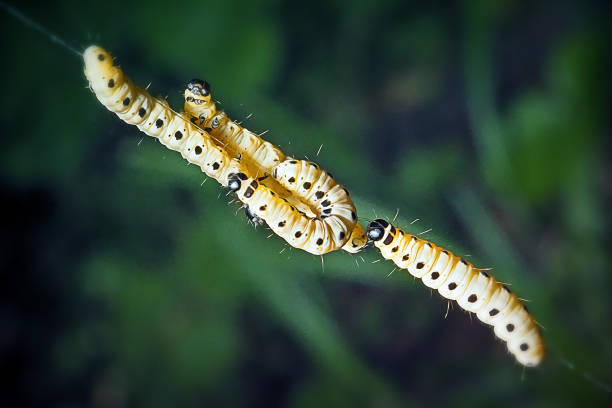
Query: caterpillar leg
x: 474, y: 290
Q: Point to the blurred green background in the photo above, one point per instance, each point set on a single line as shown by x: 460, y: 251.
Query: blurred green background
x: 125, y: 282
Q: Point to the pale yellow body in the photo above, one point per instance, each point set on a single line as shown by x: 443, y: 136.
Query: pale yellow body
x: 154, y: 117
x: 238, y: 154
x: 474, y: 290
x: 329, y: 200
x: 319, y: 234
x: 258, y: 155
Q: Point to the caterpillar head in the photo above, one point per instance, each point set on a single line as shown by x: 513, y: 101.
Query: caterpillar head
x: 377, y: 229
x: 198, y: 88
x: 198, y: 99
x: 104, y: 77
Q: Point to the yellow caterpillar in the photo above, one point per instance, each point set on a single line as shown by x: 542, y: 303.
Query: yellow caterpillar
x: 306, y: 207
x: 473, y: 289
x: 259, y: 155
x: 303, y: 205
x: 334, y: 224
x: 305, y: 187
x: 154, y: 117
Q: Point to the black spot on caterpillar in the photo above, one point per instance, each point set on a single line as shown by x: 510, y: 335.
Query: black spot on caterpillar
x: 259, y: 156
x: 459, y: 280
x: 313, y: 234
x: 153, y: 116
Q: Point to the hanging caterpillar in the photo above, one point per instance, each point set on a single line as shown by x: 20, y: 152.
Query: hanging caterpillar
x: 335, y: 223
x: 303, y: 192
x: 474, y: 289
x: 324, y: 218
x: 259, y: 155
x: 304, y: 205
x: 154, y: 117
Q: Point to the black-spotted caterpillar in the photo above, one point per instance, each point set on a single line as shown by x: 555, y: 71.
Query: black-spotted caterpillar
x: 474, y: 289
x: 154, y: 117
x: 327, y: 212
x: 259, y: 155
x: 335, y: 216
x: 323, y: 218
x: 335, y: 208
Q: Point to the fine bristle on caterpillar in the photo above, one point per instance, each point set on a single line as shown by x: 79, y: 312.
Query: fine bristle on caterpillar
x: 260, y: 156
x: 334, y: 225
x: 474, y: 289
x: 307, y: 187
x: 154, y: 117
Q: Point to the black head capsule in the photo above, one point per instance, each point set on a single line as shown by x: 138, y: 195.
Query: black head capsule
x: 199, y: 87
x: 376, y: 229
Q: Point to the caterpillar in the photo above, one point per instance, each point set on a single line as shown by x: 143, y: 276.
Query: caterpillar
x: 154, y: 117
x: 334, y: 216
x: 304, y: 205
x: 331, y: 200
x: 238, y: 140
x: 304, y: 190
x: 259, y: 155
x: 334, y: 225
x: 474, y: 289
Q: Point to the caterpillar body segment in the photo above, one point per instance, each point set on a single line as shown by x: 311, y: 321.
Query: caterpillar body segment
x: 154, y: 117
x: 474, y: 289
x: 258, y: 155
x: 311, y: 234
x: 326, y: 198
x: 320, y: 191
x: 241, y: 153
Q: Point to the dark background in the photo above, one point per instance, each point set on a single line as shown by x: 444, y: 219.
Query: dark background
x: 126, y: 283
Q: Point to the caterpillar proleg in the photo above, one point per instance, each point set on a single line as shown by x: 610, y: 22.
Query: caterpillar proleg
x: 474, y: 289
